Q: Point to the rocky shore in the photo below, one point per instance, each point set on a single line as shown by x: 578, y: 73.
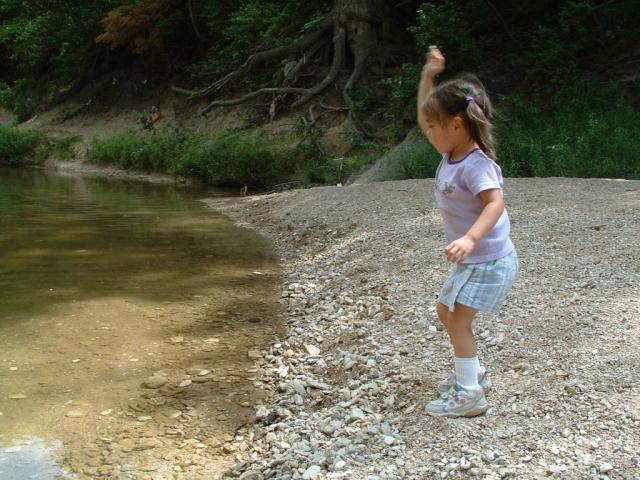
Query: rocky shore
x: 347, y: 384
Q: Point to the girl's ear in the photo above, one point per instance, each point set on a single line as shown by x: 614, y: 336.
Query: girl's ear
x: 458, y: 123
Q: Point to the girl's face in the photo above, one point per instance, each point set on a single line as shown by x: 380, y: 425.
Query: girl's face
x: 442, y: 136
x: 446, y: 134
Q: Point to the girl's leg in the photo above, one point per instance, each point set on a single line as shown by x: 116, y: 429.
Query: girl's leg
x: 466, y: 363
x: 443, y: 314
x: 459, y: 327
x: 466, y: 398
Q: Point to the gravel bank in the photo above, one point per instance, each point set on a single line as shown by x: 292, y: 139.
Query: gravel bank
x: 364, y: 351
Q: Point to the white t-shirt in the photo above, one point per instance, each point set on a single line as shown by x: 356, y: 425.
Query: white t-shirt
x: 456, y: 189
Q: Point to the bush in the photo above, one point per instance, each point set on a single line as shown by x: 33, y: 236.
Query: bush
x: 583, y: 132
x: 137, y: 151
x: 17, y: 147
x: 236, y: 158
x: 27, y: 148
x: 253, y: 159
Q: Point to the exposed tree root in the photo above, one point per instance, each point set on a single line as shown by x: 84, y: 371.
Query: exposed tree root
x: 352, y: 25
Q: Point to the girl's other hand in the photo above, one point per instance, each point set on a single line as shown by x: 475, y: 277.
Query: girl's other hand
x: 458, y: 250
x: 434, y: 62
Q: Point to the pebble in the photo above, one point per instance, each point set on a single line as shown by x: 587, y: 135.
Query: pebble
x: 75, y: 414
x: 312, y: 473
x: 312, y: 350
x: 298, y: 386
x: 605, y: 468
x: 155, y: 381
x: 252, y: 475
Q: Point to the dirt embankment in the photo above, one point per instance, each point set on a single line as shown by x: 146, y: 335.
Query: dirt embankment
x: 120, y: 104
x: 364, y: 351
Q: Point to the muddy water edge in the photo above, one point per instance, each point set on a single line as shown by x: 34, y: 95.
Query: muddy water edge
x: 129, y: 316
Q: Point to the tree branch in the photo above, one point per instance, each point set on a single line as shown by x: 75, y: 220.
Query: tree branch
x: 256, y: 59
x: 249, y: 96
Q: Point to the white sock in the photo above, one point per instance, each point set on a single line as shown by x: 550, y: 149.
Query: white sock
x: 478, y: 364
x: 467, y: 371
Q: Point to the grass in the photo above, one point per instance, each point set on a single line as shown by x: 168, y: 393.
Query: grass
x: 583, y: 135
x: 238, y: 158
x: 19, y: 148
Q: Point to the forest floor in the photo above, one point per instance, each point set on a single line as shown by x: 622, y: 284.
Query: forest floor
x: 364, y: 350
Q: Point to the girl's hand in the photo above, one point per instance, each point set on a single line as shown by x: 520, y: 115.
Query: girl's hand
x: 434, y: 62
x: 458, y: 250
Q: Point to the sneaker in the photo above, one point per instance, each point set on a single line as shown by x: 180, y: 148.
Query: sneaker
x: 483, y: 380
x: 459, y: 402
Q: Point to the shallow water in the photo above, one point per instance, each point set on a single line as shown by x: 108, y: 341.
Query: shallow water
x: 32, y: 459
x: 105, y: 283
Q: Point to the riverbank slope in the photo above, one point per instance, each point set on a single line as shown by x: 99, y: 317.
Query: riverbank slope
x: 364, y: 351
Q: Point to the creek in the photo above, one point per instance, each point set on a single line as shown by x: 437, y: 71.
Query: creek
x: 104, y: 284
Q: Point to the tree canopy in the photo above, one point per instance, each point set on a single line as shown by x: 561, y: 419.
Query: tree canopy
x: 49, y: 47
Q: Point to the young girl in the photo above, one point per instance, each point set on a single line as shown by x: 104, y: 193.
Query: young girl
x: 456, y: 118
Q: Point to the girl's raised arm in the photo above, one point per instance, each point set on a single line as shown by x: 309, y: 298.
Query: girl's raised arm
x: 433, y: 66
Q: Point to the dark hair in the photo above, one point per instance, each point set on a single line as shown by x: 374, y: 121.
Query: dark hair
x: 465, y: 96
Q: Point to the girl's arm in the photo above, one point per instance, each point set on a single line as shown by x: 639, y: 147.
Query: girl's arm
x: 432, y: 67
x: 460, y: 249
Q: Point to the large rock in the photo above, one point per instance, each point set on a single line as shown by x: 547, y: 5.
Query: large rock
x: 389, y: 166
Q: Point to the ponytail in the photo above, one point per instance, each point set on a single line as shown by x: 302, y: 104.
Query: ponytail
x: 480, y: 128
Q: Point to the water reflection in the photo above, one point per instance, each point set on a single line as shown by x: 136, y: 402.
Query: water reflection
x: 65, y: 239
x: 31, y: 459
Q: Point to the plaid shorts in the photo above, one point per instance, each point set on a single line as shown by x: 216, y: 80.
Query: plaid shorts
x: 482, y: 286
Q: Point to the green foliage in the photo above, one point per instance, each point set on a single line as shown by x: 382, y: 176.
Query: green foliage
x: 546, y: 41
x: 421, y: 162
x: 532, y: 50
x: 318, y: 167
x: 29, y: 147
x: 448, y: 25
x: 15, y: 98
x: 242, y: 27
x: 400, y: 110
x: 253, y: 159
x: 16, y: 147
x: 588, y: 132
x: 249, y: 159
x: 137, y: 151
x: 236, y: 158
x: 48, y: 45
